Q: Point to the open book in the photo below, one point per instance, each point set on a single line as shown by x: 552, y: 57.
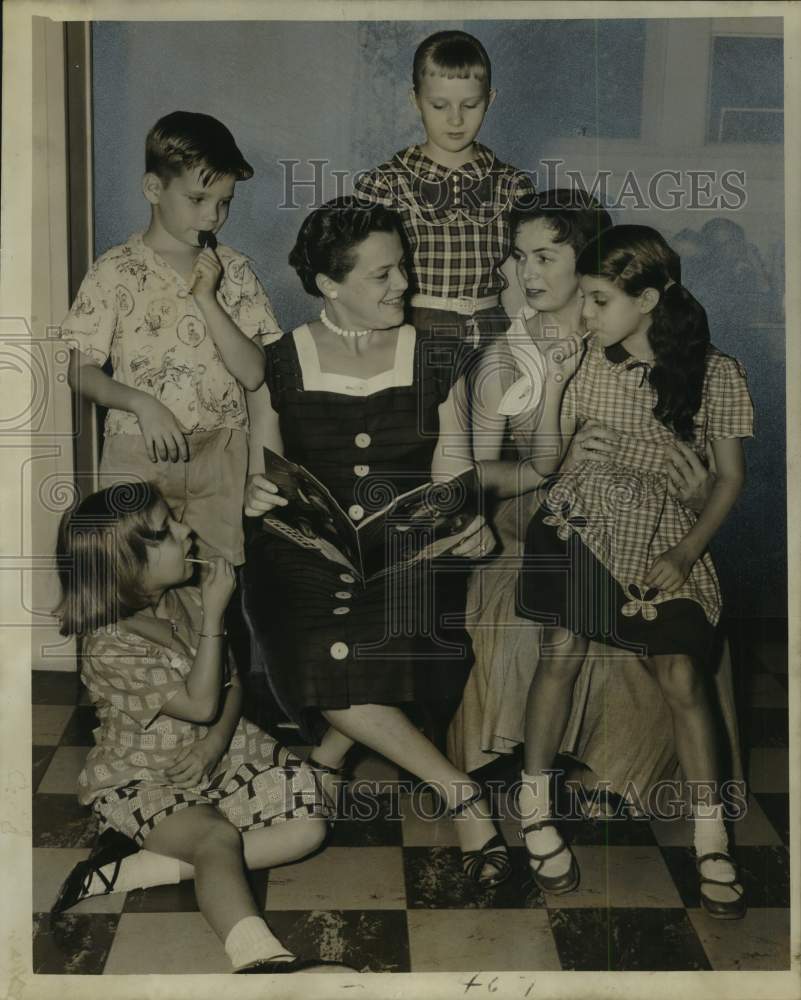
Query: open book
x: 419, y: 524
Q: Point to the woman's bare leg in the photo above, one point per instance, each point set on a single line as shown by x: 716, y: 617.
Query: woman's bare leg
x: 388, y: 731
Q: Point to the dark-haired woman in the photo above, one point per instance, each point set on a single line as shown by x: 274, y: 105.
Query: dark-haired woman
x: 619, y: 727
x: 615, y: 556
x: 371, y: 409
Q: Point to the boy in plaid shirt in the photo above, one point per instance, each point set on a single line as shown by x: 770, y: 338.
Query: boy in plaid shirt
x: 453, y: 195
x: 183, y: 327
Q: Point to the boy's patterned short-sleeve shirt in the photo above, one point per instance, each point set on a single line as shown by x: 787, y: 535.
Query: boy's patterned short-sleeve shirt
x: 456, y: 220
x: 134, y: 308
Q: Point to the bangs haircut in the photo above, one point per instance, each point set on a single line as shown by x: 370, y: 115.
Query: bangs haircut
x: 185, y: 140
x: 575, y: 217
x: 452, y: 54
x: 102, y: 554
x: 635, y: 258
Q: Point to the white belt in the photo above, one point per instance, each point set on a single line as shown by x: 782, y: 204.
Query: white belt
x: 465, y: 306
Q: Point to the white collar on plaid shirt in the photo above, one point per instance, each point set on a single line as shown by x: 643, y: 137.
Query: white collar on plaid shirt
x: 423, y: 167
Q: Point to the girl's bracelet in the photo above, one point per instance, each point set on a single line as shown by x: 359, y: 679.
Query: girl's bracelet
x: 213, y: 635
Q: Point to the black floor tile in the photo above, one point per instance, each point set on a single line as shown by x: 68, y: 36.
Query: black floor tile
x: 79, y: 730
x: 162, y: 899
x: 612, y: 832
x: 55, y: 687
x: 59, y: 821
x: 72, y: 943
x: 369, y: 940
x: 371, y: 821
x: 765, y: 874
x: 41, y: 760
x: 434, y: 880
x: 766, y: 727
x: 776, y: 806
x: 626, y: 940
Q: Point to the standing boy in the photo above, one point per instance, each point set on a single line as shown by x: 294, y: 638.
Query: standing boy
x: 453, y: 194
x: 181, y: 326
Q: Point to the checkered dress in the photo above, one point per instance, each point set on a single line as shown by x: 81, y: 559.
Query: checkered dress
x: 456, y: 220
x: 603, y: 524
x: 255, y: 783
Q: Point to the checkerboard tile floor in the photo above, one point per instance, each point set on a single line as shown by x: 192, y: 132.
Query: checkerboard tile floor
x: 386, y: 893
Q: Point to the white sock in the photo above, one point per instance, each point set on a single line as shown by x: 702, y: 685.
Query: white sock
x: 251, y: 940
x: 709, y: 835
x: 535, y: 806
x: 139, y: 871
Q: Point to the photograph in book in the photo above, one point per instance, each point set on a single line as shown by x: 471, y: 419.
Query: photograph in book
x: 421, y: 523
x: 399, y: 552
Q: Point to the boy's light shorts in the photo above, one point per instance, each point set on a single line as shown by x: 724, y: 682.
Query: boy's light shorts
x: 206, y: 493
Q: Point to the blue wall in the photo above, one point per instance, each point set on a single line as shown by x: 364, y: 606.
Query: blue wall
x: 338, y: 92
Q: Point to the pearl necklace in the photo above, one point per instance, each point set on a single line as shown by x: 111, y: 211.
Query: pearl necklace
x: 338, y: 329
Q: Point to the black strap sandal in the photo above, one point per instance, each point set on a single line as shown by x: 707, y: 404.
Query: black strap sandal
x: 493, y: 853
x: 273, y: 967
x: 112, y: 847
x: 557, y: 884
x: 732, y: 909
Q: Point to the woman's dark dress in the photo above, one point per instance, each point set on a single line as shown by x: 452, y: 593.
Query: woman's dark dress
x: 323, y: 639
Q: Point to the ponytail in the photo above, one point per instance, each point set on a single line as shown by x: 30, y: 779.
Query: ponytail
x: 679, y: 338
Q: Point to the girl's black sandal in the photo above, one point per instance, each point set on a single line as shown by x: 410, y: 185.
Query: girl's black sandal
x: 112, y: 847
x: 732, y: 909
x: 557, y: 884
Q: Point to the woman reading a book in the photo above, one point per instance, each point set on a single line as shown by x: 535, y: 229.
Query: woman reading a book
x: 372, y: 411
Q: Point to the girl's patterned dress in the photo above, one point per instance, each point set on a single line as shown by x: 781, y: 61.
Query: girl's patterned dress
x: 255, y: 783
x: 600, y: 527
x: 619, y: 725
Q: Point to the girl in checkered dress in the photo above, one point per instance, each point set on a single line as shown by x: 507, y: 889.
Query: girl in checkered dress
x: 175, y: 770
x: 611, y: 554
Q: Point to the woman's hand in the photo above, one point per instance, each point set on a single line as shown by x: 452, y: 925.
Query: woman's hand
x: 261, y: 496
x: 194, y: 765
x: 689, y: 480
x: 217, y: 584
x: 670, y: 570
x: 594, y: 441
x: 478, y: 540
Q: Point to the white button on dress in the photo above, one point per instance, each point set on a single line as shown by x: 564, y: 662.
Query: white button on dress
x: 361, y: 470
x: 363, y: 440
x: 343, y: 595
x: 341, y: 611
x: 356, y: 512
x: 347, y: 578
x: 339, y: 651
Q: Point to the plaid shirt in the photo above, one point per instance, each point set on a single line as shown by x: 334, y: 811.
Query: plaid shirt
x: 612, y: 386
x: 455, y: 219
x: 621, y: 508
